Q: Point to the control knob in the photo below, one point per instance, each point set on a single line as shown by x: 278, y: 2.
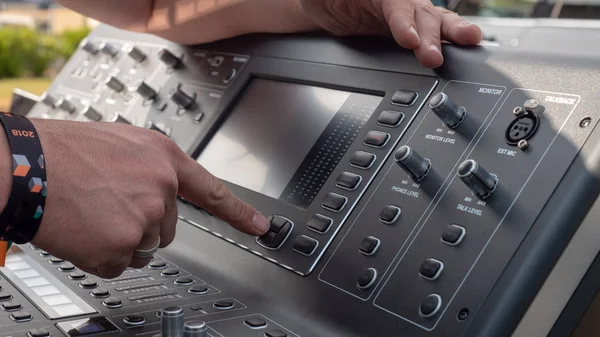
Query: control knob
x: 136, y: 54
x: 118, y: 118
x: 449, y: 112
x: 91, y: 113
x: 478, y: 179
x: 169, y: 58
x: 89, y: 47
x: 48, y: 100
x: 412, y: 162
x: 115, y: 84
x: 66, y: 105
x: 153, y: 126
x: 182, y: 99
x: 195, y: 329
x: 171, y: 322
x: 146, y: 91
x: 109, y: 49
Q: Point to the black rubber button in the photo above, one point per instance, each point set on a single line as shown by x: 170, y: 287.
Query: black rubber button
x: 21, y: 316
x: 170, y: 272
x: 11, y: 306
x: 5, y: 296
x: 275, y: 333
x: 56, y: 260
x: 223, y: 304
x: 88, y: 284
x: 77, y: 275
x: 196, y: 307
x: 100, y: 293
x: 157, y: 264
x: 184, y: 280
x: 198, y: 289
x: 134, y: 319
x: 366, y: 279
x: 112, y: 303
x: 256, y: 323
x: 430, y: 305
x: 38, y: 333
x: 66, y: 267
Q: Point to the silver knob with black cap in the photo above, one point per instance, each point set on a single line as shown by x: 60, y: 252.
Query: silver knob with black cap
x: 136, y: 54
x: 109, y: 49
x: 115, y: 84
x: 447, y: 110
x: 412, y: 162
x: 477, y: 178
x: 182, y: 99
x: 195, y: 329
x: 89, y: 47
x: 171, y: 322
x: 146, y: 91
x: 66, y: 105
x: 91, y: 113
x: 168, y: 58
x: 48, y: 100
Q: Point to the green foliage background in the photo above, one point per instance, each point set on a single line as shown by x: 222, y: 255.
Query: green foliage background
x: 28, y: 53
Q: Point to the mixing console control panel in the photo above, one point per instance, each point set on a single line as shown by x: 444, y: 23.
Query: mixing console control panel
x: 402, y: 200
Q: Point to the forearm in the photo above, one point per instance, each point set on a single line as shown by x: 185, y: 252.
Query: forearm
x: 197, y: 21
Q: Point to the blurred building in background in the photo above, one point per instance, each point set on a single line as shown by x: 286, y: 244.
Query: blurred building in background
x: 42, y: 15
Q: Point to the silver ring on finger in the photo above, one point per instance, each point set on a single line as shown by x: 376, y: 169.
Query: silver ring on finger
x: 147, y: 253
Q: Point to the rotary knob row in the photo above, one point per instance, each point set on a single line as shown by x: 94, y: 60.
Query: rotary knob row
x: 172, y: 324
x: 66, y: 105
x: 134, y: 52
x: 177, y: 95
x: 481, y: 182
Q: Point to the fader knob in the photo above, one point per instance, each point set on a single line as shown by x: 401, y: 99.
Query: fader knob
x: 65, y: 105
x: 48, y: 100
x: 89, y: 47
x: 118, y: 118
x: 136, y: 54
x: 478, y: 179
x: 448, y: 111
x: 91, y: 113
x: 195, y: 329
x: 169, y: 58
x: 115, y: 84
x: 109, y: 49
x: 171, y: 322
x: 182, y: 99
x: 146, y: 91
x: 412, y: 162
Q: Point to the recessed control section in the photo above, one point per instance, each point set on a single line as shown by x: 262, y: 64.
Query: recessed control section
x: 412, y: 162
x: 479, y: 180
x: 449, y: 112
x: 278, y: 233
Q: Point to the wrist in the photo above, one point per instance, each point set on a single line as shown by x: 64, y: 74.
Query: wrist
x: 5, y: 170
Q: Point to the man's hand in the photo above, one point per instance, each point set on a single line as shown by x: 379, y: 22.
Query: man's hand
x: 112, y: 188
x: 415, y: 24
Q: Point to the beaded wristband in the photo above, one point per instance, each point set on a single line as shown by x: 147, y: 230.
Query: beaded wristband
x: 21, y: 218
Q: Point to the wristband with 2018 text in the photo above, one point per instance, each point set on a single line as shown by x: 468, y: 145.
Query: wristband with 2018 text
x: 21, y: 218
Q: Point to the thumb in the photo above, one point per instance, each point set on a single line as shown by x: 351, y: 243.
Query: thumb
x: 203, y: 189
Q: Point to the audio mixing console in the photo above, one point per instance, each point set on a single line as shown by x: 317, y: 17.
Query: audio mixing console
x: 403, y: 201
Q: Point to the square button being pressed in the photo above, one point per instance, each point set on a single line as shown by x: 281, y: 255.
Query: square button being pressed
x: 279, y: 230
x: 376, y: 138
x: 453, y: 235
x: 305, y: 245
x: 334, y: 202
x: 369, y: 245
x: 431, y: 269
x: 389, y: 214
x: 348, y: 181
x: 404, y: 97
x: 319, y: 223
x: 390, y: 118
x: 362, y: 159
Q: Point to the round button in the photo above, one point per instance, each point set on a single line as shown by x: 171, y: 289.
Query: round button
x: 56, y: 260
x: 171, y: 272
x: 184, y: 280
x: 366, y: 279
x: 112, y: 303
x: 44, y: 253
x: 66, y: 267
x: 198, y: 289
x: 77, y: 275
x: 430, y: 305
x: 88, y: 284
x: 223, y: 304
x: 100, y: 293
x: 159, y: 264
x: 134, y: 319
x: 412, y: 162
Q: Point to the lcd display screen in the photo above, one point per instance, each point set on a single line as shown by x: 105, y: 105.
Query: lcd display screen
x: 284, y: 139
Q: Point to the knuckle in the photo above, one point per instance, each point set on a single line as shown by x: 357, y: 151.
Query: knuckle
x: 154, y: 208
x: 429, y: 9
x: 218, y: 192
